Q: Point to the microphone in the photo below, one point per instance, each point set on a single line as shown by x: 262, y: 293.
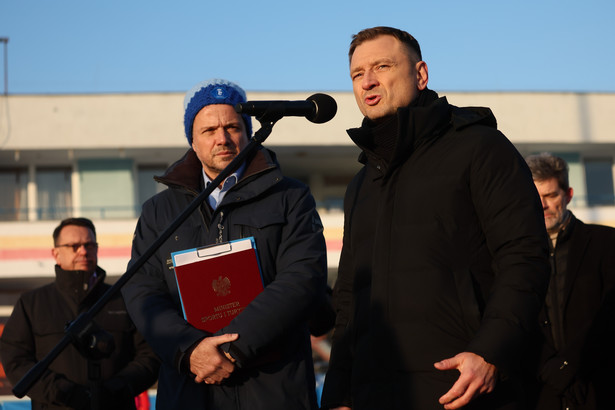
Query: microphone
x: 317, y: 108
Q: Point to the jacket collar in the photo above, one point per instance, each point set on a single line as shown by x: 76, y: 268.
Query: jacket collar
x: 422, y: 119
x: 566, y: 231
x: 187, y: 171
x: 75, y: 285
x: 426, y: 118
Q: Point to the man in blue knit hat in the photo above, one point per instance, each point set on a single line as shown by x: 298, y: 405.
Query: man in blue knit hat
x: 262, y: 359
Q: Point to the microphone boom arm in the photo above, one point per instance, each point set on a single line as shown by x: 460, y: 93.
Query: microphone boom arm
x: 78, y: 327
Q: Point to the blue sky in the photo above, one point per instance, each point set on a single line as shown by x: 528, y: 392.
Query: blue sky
x: 91, y: 46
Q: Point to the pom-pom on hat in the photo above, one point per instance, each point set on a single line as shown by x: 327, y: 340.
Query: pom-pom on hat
x: 208, y: 92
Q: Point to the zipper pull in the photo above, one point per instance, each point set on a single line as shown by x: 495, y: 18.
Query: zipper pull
x: 220, y: 228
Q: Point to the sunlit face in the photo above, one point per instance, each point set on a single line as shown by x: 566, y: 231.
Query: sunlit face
x: 554, y: 202
x: 85, y: 257
x: 384, y: 78
x: 218, y: 135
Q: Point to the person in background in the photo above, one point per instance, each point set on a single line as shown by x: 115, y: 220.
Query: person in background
x: 577, y: 323
x: 444, y: 264
x: 262, y: 359
x: 73, y: 380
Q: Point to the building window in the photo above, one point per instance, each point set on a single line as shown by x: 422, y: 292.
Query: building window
x: 145, y: 177
x: 14, y: 198
x: 107, y: 188
x: 599, y: 181
x: 54, y: 189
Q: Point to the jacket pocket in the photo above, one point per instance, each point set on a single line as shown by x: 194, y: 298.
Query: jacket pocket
x: 263, y: 225
x: 267, y: 229
x: 258, y: 220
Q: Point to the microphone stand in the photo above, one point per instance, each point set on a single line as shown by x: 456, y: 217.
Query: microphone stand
x: 82, y: 330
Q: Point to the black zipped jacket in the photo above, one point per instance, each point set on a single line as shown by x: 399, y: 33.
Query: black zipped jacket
x: 36, y: 326
x: 444, y: 251
x: 275, y: 369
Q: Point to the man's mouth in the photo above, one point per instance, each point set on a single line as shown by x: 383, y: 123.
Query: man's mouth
x: 225, y: 153
x: 372, y: 99
x: 84, y: 263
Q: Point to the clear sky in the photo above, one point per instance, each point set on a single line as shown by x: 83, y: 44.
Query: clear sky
x: 92, y: 46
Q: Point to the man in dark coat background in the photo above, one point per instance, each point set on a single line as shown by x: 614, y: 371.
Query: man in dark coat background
x: 444, y: 263
x: 262, y: 359
x: 37, y: 325
x: 576, y: 363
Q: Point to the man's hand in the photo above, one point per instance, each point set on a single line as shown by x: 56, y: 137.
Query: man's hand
x: 208, y: 363
x: 477, y: 377
x: 342, y: 408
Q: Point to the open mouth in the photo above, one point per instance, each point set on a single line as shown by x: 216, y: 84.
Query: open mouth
x: 372, y: 99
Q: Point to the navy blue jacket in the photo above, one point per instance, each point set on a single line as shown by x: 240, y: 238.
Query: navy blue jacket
x: 273, y: 349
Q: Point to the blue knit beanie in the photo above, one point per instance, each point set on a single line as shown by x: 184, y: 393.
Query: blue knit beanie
x: 214, y: 91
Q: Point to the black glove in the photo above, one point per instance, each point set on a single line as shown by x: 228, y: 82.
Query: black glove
x: 113, y: 394
x: 75, y: 396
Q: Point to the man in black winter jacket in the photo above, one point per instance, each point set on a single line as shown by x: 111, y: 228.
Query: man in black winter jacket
x: 36, y: 326
x: 577, y: 322
x: 262, y: 358
x: 444, y: 263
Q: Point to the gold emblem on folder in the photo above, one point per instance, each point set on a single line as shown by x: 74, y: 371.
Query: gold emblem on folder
x: 222, y: 286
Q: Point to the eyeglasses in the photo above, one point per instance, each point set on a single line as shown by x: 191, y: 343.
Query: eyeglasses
x: 89, y: 246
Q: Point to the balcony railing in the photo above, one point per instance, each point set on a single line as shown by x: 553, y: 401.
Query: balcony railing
x: 58, y: 213
x: 129, y: 212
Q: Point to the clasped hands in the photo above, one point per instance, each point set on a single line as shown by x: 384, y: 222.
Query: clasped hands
x: 210, y: 364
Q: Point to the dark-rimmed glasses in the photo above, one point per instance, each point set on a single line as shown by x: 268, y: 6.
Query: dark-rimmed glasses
x: 89, y: 246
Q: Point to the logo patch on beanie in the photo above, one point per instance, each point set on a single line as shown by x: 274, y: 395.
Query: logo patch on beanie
x: 219, y: 93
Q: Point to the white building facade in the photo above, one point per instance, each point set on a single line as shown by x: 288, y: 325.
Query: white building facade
x: 95, y: 156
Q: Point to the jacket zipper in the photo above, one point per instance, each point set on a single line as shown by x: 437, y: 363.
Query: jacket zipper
x: 220, y: 228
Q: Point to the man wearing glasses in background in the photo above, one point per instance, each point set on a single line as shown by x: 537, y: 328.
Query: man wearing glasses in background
x: 37, y: 325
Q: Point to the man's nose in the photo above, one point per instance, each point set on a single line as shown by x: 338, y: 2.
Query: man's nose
x: 369, y: 80
x: 222, y: 136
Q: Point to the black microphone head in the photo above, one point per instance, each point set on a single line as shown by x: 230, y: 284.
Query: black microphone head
x: 326, y: 108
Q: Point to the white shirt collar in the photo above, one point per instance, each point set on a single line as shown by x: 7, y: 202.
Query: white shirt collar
x: 218, y: 193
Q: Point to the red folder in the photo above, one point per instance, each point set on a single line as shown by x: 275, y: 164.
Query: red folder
x: 217, y: 282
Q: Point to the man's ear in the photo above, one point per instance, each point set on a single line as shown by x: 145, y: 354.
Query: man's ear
x: 422, y: 75
x: 569, y: 194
